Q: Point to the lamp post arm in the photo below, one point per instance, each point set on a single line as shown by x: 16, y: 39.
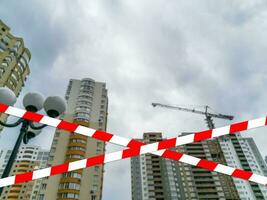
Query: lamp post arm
x: 12, y: 124
x: 37, y: 127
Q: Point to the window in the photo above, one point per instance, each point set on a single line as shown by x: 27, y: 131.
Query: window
x: 2, y: 71
x: 78, y: 141
x: 53, y: 149
x: 31, y: 152
x: 6, y: 39
x: 72, y: 174
x: 26, y: 156
x: 96, y: 176
x: 8, y: 59
x: 96, y: 168
x: 43, y: 186
x: 68, y: 195
x: 74, y: 186
x: 26, y: 56
x: 77, y: 148
x: 75, y: 156
x: 95, y: 187
x: 41, y: 197
x: 82, y: 115
x: 83, y: 108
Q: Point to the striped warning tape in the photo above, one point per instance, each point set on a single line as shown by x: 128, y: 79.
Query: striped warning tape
x: 136, y: 147
x: 106, y: 158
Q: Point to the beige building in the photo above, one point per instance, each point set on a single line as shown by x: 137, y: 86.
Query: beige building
x: 87, y: 104
x: 14, y: 59
x: 28, y: 158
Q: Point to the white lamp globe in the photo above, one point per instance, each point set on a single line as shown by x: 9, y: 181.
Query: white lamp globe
x: 7, y: 96
x: 33, y: 101
x: 54, y: 106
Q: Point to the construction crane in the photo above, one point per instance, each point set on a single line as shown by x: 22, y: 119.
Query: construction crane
x: 208, y: 115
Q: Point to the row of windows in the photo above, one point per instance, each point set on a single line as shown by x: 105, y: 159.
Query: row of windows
x: 81, y: 119
x: 82, y: 115
x: 72, y: 174
x: 78, y: 141
x: 84, y: 102
x: 68, y: 195
x: 88, y: 81
x: 74, y: 186
x: 77, y: 148
x: 83, y: 108
x: 85, y: 96
x: 75, y: 156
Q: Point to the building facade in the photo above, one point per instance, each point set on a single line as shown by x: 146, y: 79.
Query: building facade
x: 199, y: 183
x: 243, y: 153
x: 28, y: 159
x: 4, y: 156
x: 149, y: 179
x: 14, y: 62
x: 156, y: 178
x: 87, y: 104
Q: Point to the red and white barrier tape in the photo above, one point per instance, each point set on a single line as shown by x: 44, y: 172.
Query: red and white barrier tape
x: 136, y: 147
x: 106, y: 158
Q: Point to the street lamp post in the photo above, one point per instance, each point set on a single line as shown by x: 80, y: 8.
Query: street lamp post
x: 54, y: 106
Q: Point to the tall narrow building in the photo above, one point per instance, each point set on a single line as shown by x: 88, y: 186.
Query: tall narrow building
x: 149, y: 175
x: 87, y: 104
x: 29, y: 158
x: 14, y: 60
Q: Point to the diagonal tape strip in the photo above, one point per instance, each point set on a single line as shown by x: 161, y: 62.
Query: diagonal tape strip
x: 203, y: 135
x: 115, y: 156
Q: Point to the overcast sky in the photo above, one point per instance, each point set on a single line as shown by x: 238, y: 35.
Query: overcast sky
x: 187, y: 52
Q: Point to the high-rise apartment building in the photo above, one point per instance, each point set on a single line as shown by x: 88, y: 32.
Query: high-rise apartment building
x: 28, y: 158
x: 243, y: 153
x: 198, y: 183
x: 14, y: 59
x: 87, y: 104
x: 171, y: 180
x: 155, y: 178
x: 149, y: 175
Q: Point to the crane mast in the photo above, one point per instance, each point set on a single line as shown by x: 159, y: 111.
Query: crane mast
x: 208, y: 115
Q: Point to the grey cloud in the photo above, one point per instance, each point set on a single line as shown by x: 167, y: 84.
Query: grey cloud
x: 187, y: 52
